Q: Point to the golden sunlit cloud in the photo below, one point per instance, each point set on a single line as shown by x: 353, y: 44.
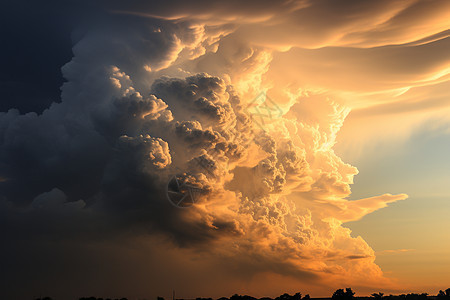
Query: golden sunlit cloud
x: 236, y: 109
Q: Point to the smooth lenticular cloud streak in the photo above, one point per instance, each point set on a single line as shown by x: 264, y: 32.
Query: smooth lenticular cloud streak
x: 312, y: 24
x: 160, y: 90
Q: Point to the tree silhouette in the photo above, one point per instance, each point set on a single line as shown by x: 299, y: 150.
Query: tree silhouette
x: 341, y: 295
x: 444, y: 295
x: 378, y: 296
x: 297, y: 296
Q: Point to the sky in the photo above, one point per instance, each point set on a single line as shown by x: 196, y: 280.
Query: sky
x: 222, y: 147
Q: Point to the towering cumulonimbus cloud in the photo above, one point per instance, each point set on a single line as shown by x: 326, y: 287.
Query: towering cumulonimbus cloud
x: 139, y: 108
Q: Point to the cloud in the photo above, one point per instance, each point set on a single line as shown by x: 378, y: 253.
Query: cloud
x: 365, y: 69
x: 315, y: 24
x: 150, y: 98
x: 395, y: 251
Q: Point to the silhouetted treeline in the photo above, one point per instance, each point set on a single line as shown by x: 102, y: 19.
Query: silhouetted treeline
x: 86, y: 298
x: 339, y: 294
x: 423, y: 296
x: 285, y: 296
x: 94, y: 298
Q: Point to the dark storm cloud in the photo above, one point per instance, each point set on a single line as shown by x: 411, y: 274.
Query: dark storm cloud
x: 57, y: 148
x: 93, y: 175
x: 95, y: 145
x: 95, y: 166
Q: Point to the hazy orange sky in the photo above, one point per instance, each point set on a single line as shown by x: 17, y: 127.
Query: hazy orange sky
x: 316, y: 132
